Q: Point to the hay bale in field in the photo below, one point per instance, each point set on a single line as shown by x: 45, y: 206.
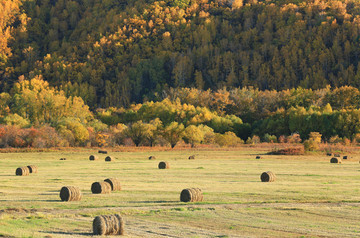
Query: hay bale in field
x: 22, y: 171
x: 102, y: 152
x: 335, y: 160
x: 329, y: 154
x: 258, y: 157
x: 32, y: 169
x: 62, y: 158
x: 70, y: 193
x: 93, y: 157
x: 268, y: 177
x: 346, y: 157
x: 152, y: 158
x: 164, y: 165
x: 192, y: 157
x: 108, y: 225
x: 336, y: 155
x: 101, y: 187
x: 114, y: 183
x: 109, y: 158
x: 191, y: 195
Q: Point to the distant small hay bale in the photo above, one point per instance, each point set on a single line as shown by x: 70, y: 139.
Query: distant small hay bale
x: 108, y: 225
x: 268, y: 177
x: 164, y: 165
x: 101, y: 187
x: 22, y: 171
x: 152, y: 158
x: 192, y: 157
x: 33, y: 169
x: 336, y: 155
x: 109, y: 158
x: 346, y: 157
x: 62, y: 158
x: 102, y: 152
x: 335, y: 160
x: 191, y: 195
x: 329, y: 154
x: 93, y: 157
x: 70, y: 193
x: 258, y: 157
x: 114, y: 183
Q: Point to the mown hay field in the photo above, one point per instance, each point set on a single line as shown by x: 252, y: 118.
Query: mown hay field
x: 311, y: 197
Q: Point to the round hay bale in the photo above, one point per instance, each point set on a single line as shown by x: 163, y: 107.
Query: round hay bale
x: 114, y: 183
x: 258, y: 157
x: 70, y: 193
x: 33, y: 168
x: 93, y: 157
x: 336, y: 155
x: 109, y: 158
x: 329, y: 154
x: 164, y: 165
x: 335, y: 160
x: 346, y: 157
x: 191, y: 195
x: 108, y: 225
x: 62, y: 158
x: 22, y: 171
x: 102, y: 152
x: 268, y: 177
x: 101, y: 187
x: 152, y: 158
x: 192, y: 157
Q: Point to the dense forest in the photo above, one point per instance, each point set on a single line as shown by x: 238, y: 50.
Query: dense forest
x: 106, y: 72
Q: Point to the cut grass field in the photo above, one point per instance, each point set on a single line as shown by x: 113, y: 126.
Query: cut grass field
x: 310, y: 198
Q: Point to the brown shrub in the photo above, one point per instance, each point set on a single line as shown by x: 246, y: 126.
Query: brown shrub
x: 191, y: 195
x: 164, y: 165
x: 22, y: 171
x: 108, y: 225
x: 70, y: 193
x: 103, y: 152
x: 101, y: 187
x: 268, y: 177
x: 337, y: 155
x: 32, y: 168
x: 114, y: 183
x: 289, y: 151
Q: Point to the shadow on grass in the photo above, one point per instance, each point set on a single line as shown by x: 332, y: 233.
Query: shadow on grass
x: 68, y: 233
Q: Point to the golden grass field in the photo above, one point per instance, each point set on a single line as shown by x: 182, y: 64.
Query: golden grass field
x: 311, y: 197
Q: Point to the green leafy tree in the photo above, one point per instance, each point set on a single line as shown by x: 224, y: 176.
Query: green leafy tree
x: 173, y: 133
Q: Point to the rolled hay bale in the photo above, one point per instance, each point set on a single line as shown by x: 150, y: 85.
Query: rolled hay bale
x: 329, y: 154
x: 192, y: 157
x: 32, y: 169
x: 335, y: 160
x: 336, y: 155
x: 108, y: 225
x: 93, y: 157
x: 268, y: 177
x: 101, y: 187
x: 152, y: 158
x: 164, y: 165
x: 258, y: 157
x: 22, y: 171
x: 62, y: 158
x: 70, y: 193
x: 346, y: 157
x: 109, y: 158
x: 114, y: 183
x: 191, y: 195
x: 102, y: 152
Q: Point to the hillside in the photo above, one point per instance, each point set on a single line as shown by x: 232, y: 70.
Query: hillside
x: 112, y: 53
